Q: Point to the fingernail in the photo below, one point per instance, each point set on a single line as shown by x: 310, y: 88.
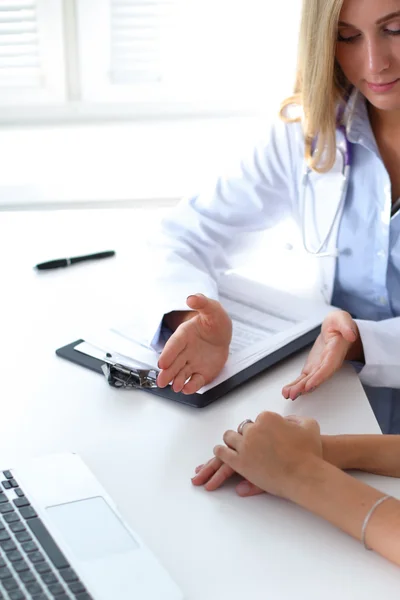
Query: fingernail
x: 295, y: 398
x: 293, y: 419
x: 197, y: 469
x: 243, y: 488
x: 310, y: 391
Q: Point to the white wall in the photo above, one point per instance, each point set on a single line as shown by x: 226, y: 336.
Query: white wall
x: 127, y: 161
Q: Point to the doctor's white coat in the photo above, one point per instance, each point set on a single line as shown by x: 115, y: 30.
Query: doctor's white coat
x: 194, y: 244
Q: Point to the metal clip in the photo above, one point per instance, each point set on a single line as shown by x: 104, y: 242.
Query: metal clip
x: 119, y: 376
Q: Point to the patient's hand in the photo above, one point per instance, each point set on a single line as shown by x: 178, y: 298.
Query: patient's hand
x: 278, y: 454
x: 198, y: 349
x: 214, y: 474
x: 339, y: 339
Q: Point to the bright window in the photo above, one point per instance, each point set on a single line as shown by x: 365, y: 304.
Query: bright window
x: 197, y: 80
x: 31, y: 52
x: 135, y: 57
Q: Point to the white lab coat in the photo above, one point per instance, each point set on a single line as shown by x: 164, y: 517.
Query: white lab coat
x: 192, y: 246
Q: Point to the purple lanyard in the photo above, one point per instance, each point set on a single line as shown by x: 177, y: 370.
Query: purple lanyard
x: 346, y: 149
x: 340, y: 127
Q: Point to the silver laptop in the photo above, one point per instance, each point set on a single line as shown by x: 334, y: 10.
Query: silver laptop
x: 62, y: 537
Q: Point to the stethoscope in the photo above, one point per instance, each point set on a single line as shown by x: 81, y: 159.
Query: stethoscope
x: 344, y: 148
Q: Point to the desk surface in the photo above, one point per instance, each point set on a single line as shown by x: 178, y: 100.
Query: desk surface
x: 144, y: 449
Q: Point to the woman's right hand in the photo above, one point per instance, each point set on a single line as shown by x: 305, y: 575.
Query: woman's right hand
x: 272, y: 452
x: 198, y: 349
x: 214, y: 473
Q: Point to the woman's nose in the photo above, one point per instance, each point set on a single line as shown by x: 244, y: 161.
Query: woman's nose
x: 378, y: 56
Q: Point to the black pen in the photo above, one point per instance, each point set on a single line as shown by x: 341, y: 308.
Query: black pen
x: 65, y: 262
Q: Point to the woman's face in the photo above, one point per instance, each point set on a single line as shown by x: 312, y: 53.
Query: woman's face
x: 368, y: 49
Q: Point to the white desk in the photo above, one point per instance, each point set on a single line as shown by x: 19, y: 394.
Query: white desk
x: 144, y: 449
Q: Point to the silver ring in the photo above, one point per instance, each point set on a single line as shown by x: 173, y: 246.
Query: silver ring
x: 242, y: 424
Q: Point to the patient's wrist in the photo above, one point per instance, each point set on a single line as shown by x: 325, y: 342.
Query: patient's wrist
x: 335, y: 450
x: 304, y: 483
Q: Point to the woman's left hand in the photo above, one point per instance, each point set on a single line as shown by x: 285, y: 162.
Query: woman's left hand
x: 213, y: 475
x: 339, y: 333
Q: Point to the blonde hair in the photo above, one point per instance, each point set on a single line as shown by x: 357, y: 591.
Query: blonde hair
x: 320, y: 83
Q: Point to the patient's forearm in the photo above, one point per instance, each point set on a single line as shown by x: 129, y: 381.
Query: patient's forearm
x: 378, y: 454
x: 345, y: 502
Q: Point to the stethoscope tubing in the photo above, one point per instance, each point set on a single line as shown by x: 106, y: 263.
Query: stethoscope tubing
x: 346, y: 162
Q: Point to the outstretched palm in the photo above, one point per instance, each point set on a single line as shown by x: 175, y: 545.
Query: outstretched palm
x: 338, y: 333
x: 199, y: 348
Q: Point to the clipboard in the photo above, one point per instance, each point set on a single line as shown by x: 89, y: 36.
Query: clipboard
x: 144, y: 380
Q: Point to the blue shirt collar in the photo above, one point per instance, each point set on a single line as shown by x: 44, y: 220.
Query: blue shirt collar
x: 357, y: 123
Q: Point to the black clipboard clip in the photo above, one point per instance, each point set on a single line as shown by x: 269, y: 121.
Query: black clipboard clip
x: 119, y: 376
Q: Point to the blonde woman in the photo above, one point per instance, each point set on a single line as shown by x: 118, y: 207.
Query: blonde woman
x: 334, y: 153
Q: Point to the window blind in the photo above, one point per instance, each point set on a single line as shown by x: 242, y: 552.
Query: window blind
x: 20, y: 64
x: 137, y: 30
x: 32, y: 61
